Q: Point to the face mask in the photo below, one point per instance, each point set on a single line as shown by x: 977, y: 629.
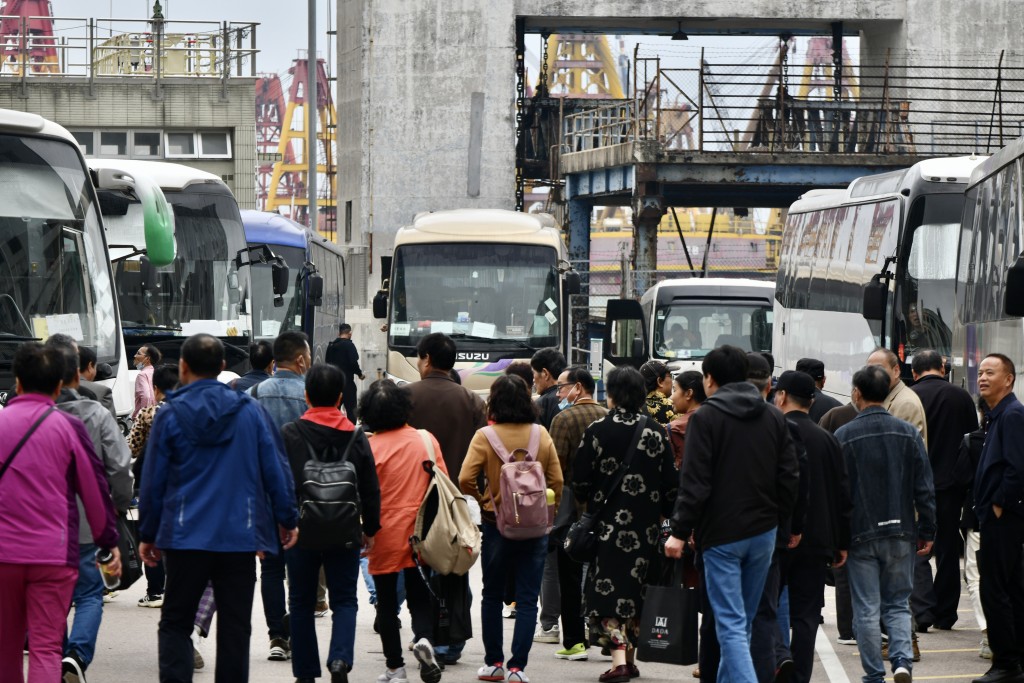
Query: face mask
x: 563, y: 404
x: 140, y: 366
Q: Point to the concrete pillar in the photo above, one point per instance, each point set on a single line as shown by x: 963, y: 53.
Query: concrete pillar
x: 579, y: 234
x: 645, y: 236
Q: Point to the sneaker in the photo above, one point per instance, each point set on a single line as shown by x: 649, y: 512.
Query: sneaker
x: 784, y: 671
x: 509, y: 611
x: 985, y: 652
x: 280, y: 651
x: 197, y: 644
x: 71, y: 670
x: 430, y: 672
x: 322, y: 609
x: 396, y: 676
x: 109, y: 595
x: 491, y: 673
x: 517, y: 676
x: 846, y: 640
x: 148, y: 600
x: 901, y: 674
x: 575, y: 653
x: 547, y: 635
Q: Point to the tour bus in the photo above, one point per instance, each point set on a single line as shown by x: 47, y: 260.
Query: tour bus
x: 314, y: 272
x: 872, y: 265
x: 206, y: 286
x: 990, y: 269
x: 498, y: 282
x: 678, y: 322
x: 55, y: 274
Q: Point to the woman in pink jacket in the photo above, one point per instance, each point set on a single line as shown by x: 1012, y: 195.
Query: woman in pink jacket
x: 399, y: 452
x: 39, y: 515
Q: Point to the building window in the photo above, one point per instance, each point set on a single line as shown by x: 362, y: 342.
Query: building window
x: 113, y: 143
x: 86, y: 140
x: 181, y: 145
x: 146, y: 144
x: 214, y: 144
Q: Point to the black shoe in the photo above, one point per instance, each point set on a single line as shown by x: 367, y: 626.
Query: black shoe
x: 995, y: 675
x: 305, y: 680
x: 922, y: 628
x: 71, y: 669
x: 784, y: 671
x: 339, y: 671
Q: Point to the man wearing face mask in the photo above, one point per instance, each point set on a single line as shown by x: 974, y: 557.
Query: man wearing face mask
x: 284, y: 398
x: 577, y: 411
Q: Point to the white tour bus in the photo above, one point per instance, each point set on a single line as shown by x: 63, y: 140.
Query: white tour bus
x: 990, y: 270
x: 54, y: 268
x: 679, y: 321
x: 872, y: 265
x: 498, y: 282
x: 206, y: 286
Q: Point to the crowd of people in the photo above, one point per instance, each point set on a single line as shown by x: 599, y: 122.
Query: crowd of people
x: 756, y: 491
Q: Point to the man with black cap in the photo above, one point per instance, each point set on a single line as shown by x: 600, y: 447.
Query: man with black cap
x: 826, y: 530
x: 822, y: 401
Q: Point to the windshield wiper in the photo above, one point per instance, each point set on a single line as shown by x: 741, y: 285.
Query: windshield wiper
x: 4, y: 337
x: 125, y: 325
x: 493, y: 340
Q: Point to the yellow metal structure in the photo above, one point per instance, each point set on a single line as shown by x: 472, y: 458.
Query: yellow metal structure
x: 583, y: 66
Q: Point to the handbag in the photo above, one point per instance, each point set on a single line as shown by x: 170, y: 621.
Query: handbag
x: 668, y: 623
x: 580, y: 542
x: 128, y: 545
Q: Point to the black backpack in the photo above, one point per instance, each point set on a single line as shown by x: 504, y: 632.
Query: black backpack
x: 329, y: 506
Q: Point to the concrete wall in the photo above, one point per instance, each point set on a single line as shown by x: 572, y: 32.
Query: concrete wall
x: 129, y: 104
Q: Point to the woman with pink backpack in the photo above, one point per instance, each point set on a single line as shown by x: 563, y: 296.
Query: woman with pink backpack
x: 522, y: 486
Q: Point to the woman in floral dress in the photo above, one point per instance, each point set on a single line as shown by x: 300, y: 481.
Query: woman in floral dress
x: 630, y: 520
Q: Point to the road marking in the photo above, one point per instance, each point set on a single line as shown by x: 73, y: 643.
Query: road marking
x: 965, y: 649
x: 828, y: 658
x: 941, y: 678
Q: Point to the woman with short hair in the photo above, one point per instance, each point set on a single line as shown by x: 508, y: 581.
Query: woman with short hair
x: 630, y: 513
x: 658, y: 385
x: 399, y: 452
x: 687, y: 395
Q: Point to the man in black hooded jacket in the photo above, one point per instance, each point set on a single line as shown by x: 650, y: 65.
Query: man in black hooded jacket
x: 739, y: 478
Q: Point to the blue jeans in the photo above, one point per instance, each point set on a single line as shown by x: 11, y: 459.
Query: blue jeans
x: 498, y: 555
x: 88, y: 600
x: 735, y: 574
x: 881, y: 578
x: 341, y: 570
x: 371, y: 586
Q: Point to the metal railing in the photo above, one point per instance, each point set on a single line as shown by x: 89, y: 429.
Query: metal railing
x: 803, y: 108
x: 144, y: 49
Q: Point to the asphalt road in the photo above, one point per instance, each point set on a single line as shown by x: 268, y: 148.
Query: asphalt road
x: 126, y: 651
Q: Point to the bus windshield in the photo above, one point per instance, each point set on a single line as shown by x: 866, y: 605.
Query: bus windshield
x: 54, y: 275
x: 930, y: 272
x: 269, y: 320
x: 485, y: 295
x: 201, y: 290
x: 689, y: 329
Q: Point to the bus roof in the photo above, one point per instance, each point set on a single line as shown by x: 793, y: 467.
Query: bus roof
x: 263, y: 227
x: 995, y: 162
x: 169, y: 176
x: 710, y: 287
x: 481, y: 225
x: 946, y: 170
x: 12, y: 121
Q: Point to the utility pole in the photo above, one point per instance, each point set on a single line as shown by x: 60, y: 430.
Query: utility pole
x: 311, y: 118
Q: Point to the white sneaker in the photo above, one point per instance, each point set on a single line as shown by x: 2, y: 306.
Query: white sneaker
x: 491, y: 673
x: 517, y: 676
x: 547, y: 635
x: 509, y: 611
x: 396, y: 676
x: 430, y: 672
x: 901, y: 675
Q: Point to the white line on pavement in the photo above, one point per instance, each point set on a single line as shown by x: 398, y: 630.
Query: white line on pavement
x: 829, y: 660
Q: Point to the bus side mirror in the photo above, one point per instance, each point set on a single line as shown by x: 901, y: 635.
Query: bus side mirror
x: 572, y: 283
x: 380, y: 304
x: 315, y: 289
x: 157, y: 217
x: 1013, y: 296
x: 625, y: 335
x: 279, y: 273
x: 875, y: 295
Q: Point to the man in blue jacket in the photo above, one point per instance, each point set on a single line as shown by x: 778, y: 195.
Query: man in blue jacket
x: 999, y: 505
x: 893, y: 515
x: 214, y: 495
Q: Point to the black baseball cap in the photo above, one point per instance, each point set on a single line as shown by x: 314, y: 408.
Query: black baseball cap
x: 797, y: 383
x: 757, y: 366
x: 812, y: 366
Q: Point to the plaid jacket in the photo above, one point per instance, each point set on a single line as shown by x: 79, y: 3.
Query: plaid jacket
x: 567, y: 429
